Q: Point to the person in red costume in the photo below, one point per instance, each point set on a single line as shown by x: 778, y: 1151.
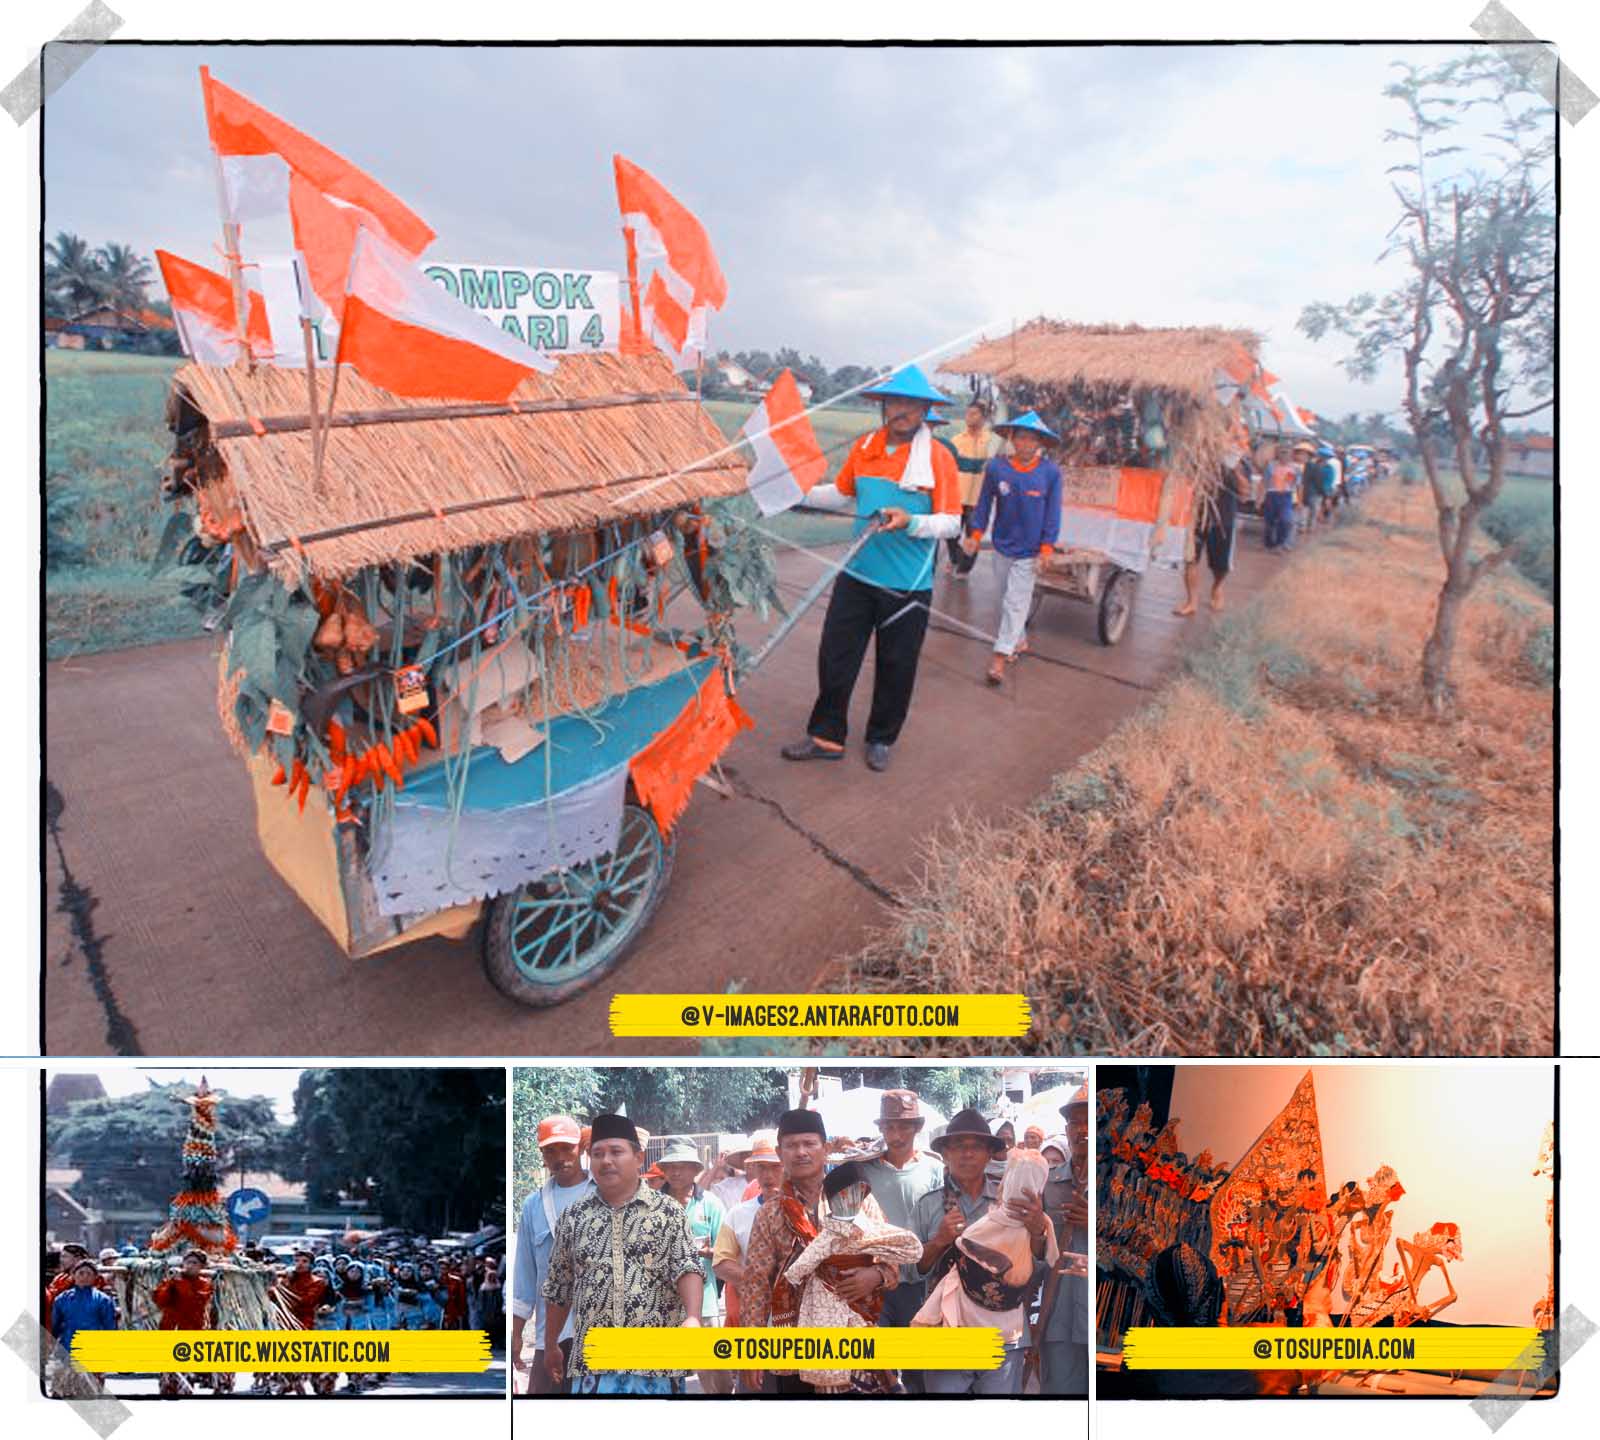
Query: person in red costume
x: 302, y: 1291
x: 455, y: 1294
x: 184, y: 1301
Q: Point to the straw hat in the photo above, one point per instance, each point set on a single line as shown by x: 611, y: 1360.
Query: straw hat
x: 1028, y: 420
x: 908, y: 383
x: 762, y: 1152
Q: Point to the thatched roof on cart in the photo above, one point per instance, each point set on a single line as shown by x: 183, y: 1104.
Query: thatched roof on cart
x: 603, y: 438
x: 1053, y: 352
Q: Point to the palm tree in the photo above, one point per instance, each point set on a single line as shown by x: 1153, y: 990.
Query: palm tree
x: 72, y: 273
x: 127, y: 275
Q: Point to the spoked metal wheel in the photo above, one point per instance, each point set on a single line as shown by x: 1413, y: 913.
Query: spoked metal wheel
x: 1116, y: 606
x: 560, y: 934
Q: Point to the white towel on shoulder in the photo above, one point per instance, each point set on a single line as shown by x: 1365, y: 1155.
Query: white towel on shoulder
x: 918, y: 474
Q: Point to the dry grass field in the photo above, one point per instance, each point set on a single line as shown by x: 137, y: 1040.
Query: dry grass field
x: 1282, y: 854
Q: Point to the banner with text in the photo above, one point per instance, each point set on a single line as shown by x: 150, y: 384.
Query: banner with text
x: 104, y: 1352
x: 869, y: 1347
x: 559, y: 311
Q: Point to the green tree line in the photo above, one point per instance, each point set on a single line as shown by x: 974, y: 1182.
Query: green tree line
x: 672, y: 1100
x: 425, y: 1148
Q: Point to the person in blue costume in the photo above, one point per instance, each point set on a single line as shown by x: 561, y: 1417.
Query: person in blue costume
x: 82, y: 1306
x: 431, y: 1292
x: 1019, y: 508
x: 905, y: 490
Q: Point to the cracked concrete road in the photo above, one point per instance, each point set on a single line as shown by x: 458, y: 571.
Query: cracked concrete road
x: 168, y: 934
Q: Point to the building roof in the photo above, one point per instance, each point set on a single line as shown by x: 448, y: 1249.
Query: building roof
x: 1536, y: 442
x: 602, y: 438
x: 1055, y: 352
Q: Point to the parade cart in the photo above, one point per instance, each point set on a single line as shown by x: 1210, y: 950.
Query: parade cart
x: 446, y: 660
x: 1112, y: 512
x: 1147, y: 419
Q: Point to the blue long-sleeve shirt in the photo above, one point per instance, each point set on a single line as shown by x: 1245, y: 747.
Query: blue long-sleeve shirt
x: 1025, y: 505
x: 81, y: 1308
x: 535, y: 1241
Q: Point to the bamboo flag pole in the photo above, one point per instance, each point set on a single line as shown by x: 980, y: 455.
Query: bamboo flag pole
x: 631, y: 244
x: 312, y: 406
x: 320, y: 453
x: 806, y: 601
x: 230, y: 234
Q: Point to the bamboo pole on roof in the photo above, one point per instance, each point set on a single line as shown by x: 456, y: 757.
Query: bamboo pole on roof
x: 311, y: 402
x: 230, y: 235
x: 462, y: 410
x: 546, y: 470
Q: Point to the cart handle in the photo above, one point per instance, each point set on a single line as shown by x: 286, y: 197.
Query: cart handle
x: 807, y: 600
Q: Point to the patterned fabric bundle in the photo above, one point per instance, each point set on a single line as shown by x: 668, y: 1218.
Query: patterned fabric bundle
x: 845, y: 1243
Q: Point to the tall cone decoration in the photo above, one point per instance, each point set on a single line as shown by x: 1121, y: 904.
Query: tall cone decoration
x: 196, y: 1215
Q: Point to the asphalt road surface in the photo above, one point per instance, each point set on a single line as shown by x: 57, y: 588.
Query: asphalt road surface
x: 167, y: 933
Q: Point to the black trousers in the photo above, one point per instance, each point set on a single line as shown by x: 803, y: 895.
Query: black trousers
x: 858, y: 612
x: 960, y: 561
x: 791, y: 1385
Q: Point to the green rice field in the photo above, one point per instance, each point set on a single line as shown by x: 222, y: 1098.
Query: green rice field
x: 105, y: 440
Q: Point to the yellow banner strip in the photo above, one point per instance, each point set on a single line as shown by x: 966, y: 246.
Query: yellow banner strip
x: 819, y: 1017
x: 1249, y: 1347
x: 915, y: 1347
x: 109, y: 1352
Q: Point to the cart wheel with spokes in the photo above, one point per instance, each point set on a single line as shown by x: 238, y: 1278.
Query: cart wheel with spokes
x: 1116, y: 606
x: 555, y: 936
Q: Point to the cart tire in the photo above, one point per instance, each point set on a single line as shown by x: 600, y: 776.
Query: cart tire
x: 1035, y: 603
x: 1116, y: 606
x: 554, y: 937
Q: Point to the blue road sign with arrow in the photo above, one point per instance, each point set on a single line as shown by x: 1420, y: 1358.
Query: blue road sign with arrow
x: 249, y: 1208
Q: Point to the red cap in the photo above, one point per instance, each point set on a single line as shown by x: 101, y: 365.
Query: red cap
x: 558, y: 1130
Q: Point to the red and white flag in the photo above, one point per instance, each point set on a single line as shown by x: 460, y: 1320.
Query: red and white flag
x: 685, y: 281
x: 269, y: 169
x: 203, y: 308
x: 788, y: 459
x: 404, y: 332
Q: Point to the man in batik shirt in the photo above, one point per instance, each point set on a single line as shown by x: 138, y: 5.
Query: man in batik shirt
x: 783, y: 1228
x: 622, y: 1256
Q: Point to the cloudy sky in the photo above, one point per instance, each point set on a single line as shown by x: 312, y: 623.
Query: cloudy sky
x: 866, y: 204
x: 277, y: 1085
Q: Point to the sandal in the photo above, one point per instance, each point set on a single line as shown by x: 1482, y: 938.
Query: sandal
x: 809, y: 749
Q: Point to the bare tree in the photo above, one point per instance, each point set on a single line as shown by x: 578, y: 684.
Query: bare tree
x: 1473, y: 324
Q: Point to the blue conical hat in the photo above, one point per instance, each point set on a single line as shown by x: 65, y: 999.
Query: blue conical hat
x: 1029, y: 421
x: 909, y: 383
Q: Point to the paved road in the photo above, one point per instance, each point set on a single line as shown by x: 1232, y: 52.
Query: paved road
x: 166, y: 933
